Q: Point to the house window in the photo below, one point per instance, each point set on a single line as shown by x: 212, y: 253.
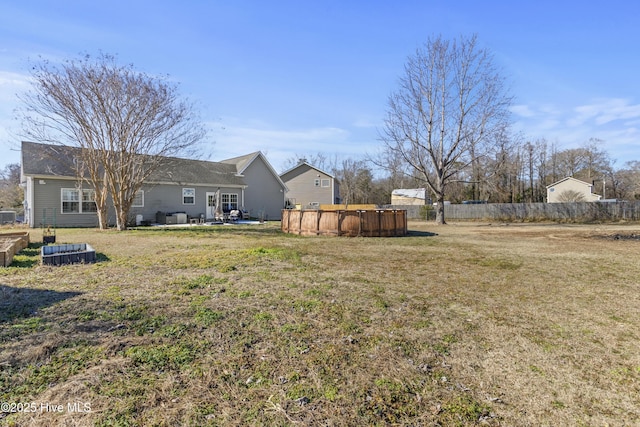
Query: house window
x: 229, y: 201
x: 316, y: 182
x: 78, y: 201
x: 89, y: 201
x: 138, y: 200
x: 188, y: 196
x: 70, y: 200
x: 325, y: 182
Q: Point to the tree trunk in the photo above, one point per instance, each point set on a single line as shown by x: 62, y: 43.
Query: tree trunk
x: 439, y: 193
x: 100, y: 198
x: 102, y: 218
x: 440, y: 212
x: 121, y: 220
x: 122, y: 212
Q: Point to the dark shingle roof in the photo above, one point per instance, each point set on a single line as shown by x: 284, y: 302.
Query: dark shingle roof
x: 242, y: 161
x: 298, y: 169
x: 57, y: 160
x: 44, y: 159
x: 174, y: 169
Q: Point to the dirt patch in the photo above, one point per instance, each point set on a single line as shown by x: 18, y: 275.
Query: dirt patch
x: 619, y: 236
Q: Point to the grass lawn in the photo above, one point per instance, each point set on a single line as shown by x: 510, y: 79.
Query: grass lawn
x: 464, y: 324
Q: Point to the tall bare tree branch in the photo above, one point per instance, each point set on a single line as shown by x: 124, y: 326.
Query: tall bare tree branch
x: 125, y: 122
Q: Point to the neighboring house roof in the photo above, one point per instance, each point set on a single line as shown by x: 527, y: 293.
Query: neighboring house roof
x: 56, y: 160
x: 309, y: 166
x: 569, y: 178
x: 412, y: 193
x: 243, y: 162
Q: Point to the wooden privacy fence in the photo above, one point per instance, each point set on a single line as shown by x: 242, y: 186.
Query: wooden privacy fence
x: 365, y: 223
x: 567, y: 212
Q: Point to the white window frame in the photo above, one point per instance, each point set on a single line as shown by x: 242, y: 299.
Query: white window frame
x: 326, y: 182
x: 139, y: 196
x: 189, y: 193
x: 316, y: 182
x: 79, y: 200
x: 76, y: 200
x: 90, y: 199
x: 227, y: 201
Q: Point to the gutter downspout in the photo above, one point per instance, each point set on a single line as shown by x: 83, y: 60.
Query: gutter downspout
x: 30, y: 199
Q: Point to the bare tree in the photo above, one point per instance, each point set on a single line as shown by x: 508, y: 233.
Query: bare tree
x: 10, y: 191
x: 364, y: 186
x: 597, y: 163
x: 125, y: 123
x: 626, y: 181
x: 347, y: 174
x: 529, y: 158
x: 542, y: 169
x: 507, y: 167
x: 450, y: 108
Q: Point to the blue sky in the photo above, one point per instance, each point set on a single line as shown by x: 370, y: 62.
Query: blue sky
x: 302, y: 77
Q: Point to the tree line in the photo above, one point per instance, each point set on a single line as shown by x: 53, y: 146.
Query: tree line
x: 518, y: 175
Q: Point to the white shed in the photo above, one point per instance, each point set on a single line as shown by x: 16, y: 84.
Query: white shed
x: 408, y: 196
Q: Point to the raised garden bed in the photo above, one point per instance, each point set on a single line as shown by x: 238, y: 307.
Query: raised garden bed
x: 68, y: 254
x: 11, y: 244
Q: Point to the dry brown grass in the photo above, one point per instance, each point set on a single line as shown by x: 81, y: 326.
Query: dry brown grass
x: 464, y: 324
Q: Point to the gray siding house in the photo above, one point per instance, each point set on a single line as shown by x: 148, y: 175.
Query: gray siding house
x: 309, y: 186
x: 264, y: 188
x: 54, y: 195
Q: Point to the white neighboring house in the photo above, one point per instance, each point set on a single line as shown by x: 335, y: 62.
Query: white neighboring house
x: 408, y: 196
x: 571, y: 190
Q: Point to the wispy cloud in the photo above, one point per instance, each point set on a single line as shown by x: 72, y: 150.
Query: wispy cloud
x: 12, y: 83
x: 608, y: 110
x: 284, y: 138
x: 367, y: 122
x: 523, y: 110
x: 615, y: 121
x: 279, y: 143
